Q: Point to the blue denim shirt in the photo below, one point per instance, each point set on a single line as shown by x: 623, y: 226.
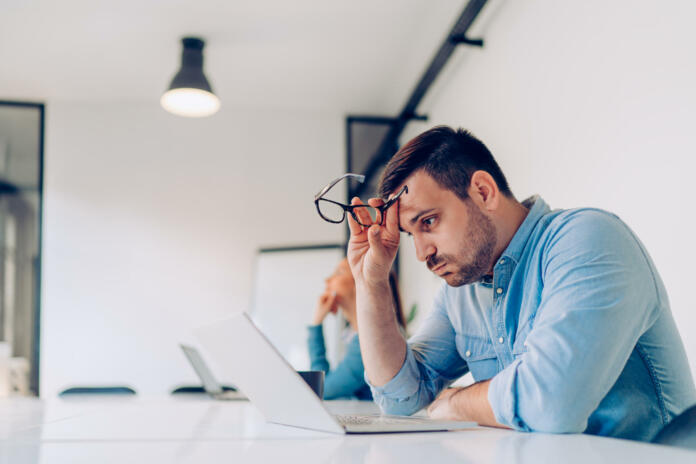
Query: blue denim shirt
x: 574, y: 329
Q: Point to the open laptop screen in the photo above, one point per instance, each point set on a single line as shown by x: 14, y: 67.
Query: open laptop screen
x: 210, y: 385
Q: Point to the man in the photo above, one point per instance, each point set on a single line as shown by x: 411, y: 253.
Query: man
x: 560, y: 316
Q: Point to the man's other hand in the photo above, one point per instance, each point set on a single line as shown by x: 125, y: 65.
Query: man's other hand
x: 443, y: 408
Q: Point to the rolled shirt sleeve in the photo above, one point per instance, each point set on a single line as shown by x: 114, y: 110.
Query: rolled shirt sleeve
x: 599, y: 296
x: 432, y: 362
x: 317, y: 348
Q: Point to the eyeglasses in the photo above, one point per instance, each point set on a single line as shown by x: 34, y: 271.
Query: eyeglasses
x: 335, y: 212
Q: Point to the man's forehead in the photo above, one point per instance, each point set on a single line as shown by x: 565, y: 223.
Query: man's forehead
x: 421, y: 190
x: 424, y: 195
x: 407, y: 203
x: 411, y: 205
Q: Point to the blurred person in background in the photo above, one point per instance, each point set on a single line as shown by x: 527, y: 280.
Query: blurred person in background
x: 347, y: 379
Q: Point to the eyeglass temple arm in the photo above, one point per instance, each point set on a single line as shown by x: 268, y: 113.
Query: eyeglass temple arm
x: 359, y: 177
x: 389, y: 202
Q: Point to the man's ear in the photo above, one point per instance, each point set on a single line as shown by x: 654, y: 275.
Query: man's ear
x: 484, y: 190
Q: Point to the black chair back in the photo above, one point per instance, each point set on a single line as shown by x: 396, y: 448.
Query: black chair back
x: 188, y: 389
x: 198, y: 389
x: 104, y: 390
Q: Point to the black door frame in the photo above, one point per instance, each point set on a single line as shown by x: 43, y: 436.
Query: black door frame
x: 34, y: 375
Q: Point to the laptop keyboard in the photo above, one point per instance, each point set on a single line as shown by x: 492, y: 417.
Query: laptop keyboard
x: 347, y: 419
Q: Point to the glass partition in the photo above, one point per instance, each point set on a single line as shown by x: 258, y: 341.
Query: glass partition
x: 21, y: 163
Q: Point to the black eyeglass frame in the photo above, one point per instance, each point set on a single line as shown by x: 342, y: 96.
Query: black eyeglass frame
x: 351, y: 208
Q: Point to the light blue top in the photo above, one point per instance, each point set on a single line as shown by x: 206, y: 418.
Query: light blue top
x: 574, y: 328
x: 347, y: 379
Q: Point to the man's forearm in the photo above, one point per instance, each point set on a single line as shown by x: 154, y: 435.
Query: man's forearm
x: 471, y: 403
x: 382, y: 346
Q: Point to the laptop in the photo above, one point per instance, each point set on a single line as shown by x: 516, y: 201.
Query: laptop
x: 278, y: 391
x: 210, y: 385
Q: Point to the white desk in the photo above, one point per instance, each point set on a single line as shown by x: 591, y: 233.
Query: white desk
x: 200, y: 430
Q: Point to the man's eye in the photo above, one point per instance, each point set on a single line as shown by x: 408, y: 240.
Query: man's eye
x: 429, y: 221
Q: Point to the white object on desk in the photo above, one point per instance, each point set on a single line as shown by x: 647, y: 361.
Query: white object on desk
x: 273, y: 386
x: 210, y: 384
x: 19, y: 376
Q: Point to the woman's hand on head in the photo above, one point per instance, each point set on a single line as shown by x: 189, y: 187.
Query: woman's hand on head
x: 328, y: 303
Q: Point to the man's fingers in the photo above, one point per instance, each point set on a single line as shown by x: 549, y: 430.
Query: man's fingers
x: 374, y: 236
x: 363, y: 216
x: 355, y: 228
x: 392, y: 218
x: 376, y: 203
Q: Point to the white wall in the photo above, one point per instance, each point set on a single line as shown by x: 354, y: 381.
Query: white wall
x: 151, y: 221
x: 151, y: 225
x: 588, y: 103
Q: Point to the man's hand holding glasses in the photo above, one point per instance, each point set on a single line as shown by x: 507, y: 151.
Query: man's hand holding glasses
x: 374, y: 231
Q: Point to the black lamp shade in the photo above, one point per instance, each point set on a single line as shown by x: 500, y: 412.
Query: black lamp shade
x: 190, y: 93
x: 191, y: 73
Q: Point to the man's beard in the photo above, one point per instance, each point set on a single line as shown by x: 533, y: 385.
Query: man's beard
x: 481, y: 239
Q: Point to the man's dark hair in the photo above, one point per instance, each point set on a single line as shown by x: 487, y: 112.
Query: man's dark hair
x: 450, y: 157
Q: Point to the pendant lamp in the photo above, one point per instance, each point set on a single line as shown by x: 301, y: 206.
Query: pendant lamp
x: 190, y: 93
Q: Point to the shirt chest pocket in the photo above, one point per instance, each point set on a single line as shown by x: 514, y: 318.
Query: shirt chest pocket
x: 479, y: 356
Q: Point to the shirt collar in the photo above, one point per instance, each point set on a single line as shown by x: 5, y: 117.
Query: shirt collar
x: 537, y: 209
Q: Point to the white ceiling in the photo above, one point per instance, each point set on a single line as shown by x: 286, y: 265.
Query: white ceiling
x: 360, y: 56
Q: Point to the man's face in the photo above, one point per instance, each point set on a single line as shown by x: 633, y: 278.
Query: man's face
x: 453, y: 236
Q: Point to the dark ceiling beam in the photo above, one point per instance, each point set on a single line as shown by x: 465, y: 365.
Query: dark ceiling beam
x: 456, y: 37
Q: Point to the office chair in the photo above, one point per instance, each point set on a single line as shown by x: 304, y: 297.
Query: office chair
x: 197, y: 389
x: 106, y: 390
x: 188, y: 389
x: 681, y: 431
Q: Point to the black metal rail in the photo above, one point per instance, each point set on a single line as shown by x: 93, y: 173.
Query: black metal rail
x: 457, y: 36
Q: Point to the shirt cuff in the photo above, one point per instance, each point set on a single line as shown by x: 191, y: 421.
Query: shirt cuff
x: 502, y: 396
x: 315, y: 329
x: 404, y: 384
x: 315, y: 334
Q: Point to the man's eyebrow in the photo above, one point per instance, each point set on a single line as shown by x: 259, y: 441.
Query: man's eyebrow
x: 415, y: 218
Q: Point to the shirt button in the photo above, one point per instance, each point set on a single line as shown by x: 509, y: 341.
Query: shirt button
x: 499, y: 291
x: 501, y: 340
x: 468, y: 353
x: 502, y: 261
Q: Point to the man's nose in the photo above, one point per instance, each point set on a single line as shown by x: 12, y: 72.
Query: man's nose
x: 423, y: 249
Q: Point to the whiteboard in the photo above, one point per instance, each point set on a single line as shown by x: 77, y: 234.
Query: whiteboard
x: 286, y: 286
